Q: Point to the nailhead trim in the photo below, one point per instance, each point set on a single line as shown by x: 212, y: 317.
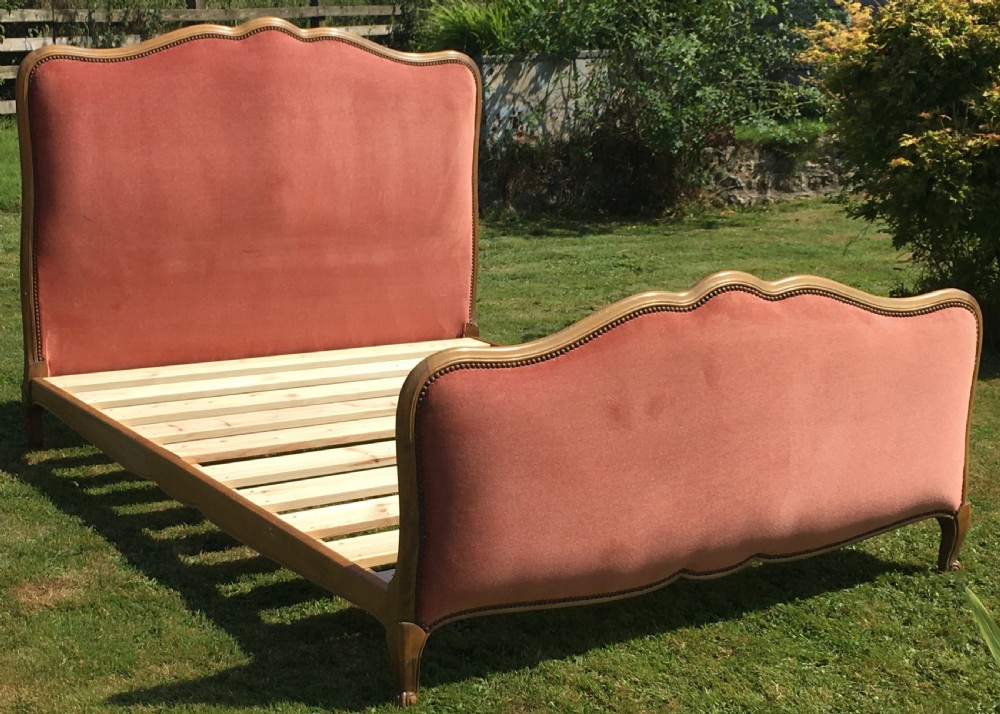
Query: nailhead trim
x: 36, y: 307
x: 255, y: 31
x: 650, y: 309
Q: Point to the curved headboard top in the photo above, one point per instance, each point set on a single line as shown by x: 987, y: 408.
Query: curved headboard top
x: 222, y: 192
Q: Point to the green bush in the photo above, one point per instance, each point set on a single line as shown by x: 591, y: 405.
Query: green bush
x: 477, y: 27
x: 682, y: 76
x: 919, y: 122
x: 465, y: 25
x: 673, y: 79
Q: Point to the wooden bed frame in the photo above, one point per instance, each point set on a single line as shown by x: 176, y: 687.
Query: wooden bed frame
x: 248, y: 273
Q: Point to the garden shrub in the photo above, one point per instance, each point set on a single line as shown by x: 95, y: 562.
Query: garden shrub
x: 919, y: 123
x: 674, y: 78
x: 682, y: 76
x: 477, y: 27
x: 474, y: 28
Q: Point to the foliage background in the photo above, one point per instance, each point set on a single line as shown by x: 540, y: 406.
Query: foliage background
x: 918, y: 119
x: 674, y: 78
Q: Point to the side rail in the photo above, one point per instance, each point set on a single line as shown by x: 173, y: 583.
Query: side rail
x: 680, y: 434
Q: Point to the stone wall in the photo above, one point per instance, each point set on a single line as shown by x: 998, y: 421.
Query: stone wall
x: 751, y: 175
x: 536, y: 97
x: 529, y: 101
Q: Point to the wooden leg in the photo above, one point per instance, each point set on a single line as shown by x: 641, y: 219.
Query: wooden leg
x: 33, y: 424
x: 953, y: 530
x: 406, y: 644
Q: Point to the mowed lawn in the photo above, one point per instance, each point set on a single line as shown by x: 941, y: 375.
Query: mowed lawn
x: 114, y: 598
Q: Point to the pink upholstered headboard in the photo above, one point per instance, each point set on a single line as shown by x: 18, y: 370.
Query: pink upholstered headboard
x: 219, y: 193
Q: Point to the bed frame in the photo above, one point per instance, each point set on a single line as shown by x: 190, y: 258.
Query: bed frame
x: 249, y: 273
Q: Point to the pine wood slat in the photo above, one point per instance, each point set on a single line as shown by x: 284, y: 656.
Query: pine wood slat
x: 324, y: 490
x: 346, y: 518
x: 253, y: 365
x: 289, y: 467
x: 198, y: 388
x: 255, y: 401
x: 251, y: 422
x: 284, y: 440
x: 368, y: 551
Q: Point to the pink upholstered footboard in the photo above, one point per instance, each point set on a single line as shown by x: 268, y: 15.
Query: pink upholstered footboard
x: 680, y: 434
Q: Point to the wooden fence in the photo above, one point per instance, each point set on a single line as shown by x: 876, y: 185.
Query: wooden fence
x: 27, y: 30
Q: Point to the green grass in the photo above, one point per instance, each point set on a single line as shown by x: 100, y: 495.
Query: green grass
x: 798, y: 133
x: 114, y: 598
x: 537, y: 277
x: 10, y: 178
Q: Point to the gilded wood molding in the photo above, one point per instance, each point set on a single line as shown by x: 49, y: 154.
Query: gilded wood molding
x: 252, y: 27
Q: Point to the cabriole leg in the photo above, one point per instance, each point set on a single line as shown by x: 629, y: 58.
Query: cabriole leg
x: 406, y: 644
x: 33, y: 425
x: 953, y: 530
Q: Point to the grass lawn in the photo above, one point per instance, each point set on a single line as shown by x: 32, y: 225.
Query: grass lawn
x: 114, y: 598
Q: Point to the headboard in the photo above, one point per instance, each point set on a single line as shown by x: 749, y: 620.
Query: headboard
x: 219, y: 193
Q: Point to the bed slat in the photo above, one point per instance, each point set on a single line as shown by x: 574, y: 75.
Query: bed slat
x: 324, y: 490
x: 255, y: 401
x: 345, y: 518
x: 252, y: 422
x: 368, y: 551
x: 253, y: 365
x: 284, y: 440
x: 195, y: 389
x: 288, y: 467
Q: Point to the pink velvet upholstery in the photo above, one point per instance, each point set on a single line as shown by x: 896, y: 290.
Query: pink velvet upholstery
x: 226, y: 198
x: 687, y: 442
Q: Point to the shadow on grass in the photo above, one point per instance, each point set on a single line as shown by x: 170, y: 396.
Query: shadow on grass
x: 548, y: 227
x: 338, y: 660
x: 573, y: 226
x: 989, y: 363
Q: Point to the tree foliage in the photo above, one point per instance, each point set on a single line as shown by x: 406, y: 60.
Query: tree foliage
x: 674, y: 78
x: 919, y: 121
x: 683, y: 74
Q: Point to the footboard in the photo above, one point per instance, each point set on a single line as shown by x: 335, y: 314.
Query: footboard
x: 681, y: 434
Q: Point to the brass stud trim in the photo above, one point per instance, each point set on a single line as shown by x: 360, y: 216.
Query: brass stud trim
x: 650, y: 309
